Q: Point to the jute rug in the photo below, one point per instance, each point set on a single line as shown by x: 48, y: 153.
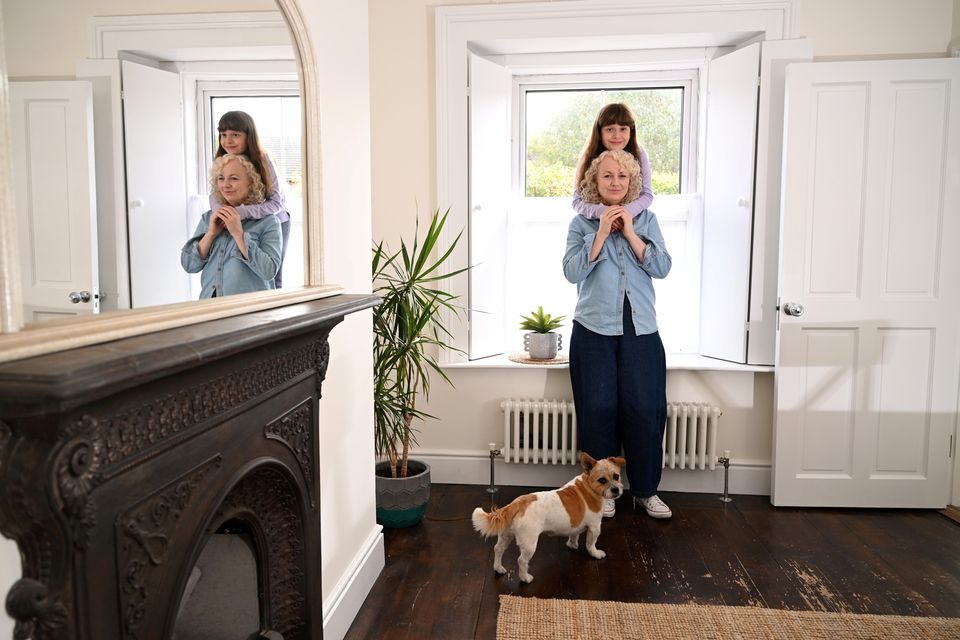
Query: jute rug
x: 537, y: 619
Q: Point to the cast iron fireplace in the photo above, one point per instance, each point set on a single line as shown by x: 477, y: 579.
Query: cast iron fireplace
x: 119, y: 461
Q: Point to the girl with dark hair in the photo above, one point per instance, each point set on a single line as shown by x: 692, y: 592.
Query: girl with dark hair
x: 614, y: 128
x: 238, y: 136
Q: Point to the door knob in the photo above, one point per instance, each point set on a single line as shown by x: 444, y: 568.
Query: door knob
x: 794, y: 309
x: 77, y: 297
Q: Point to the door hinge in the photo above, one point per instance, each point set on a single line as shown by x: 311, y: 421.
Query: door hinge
x: 951, y: 447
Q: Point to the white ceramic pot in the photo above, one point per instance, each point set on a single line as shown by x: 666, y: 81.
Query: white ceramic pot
x: 542, y: 346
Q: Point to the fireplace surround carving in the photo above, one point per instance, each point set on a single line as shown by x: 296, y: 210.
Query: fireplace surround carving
x: 119, y: 461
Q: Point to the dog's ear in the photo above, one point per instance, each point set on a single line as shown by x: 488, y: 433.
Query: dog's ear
x: 586, y: 461
x: 618, y: 461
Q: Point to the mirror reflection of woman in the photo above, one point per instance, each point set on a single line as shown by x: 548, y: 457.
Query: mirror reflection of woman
x: 233, y: 255
x: 617, y: 362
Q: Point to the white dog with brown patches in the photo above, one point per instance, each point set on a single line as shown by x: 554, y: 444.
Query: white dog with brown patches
x: 566, y: 511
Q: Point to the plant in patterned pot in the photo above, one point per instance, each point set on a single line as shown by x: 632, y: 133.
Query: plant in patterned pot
x: 541, y: 342
x: 407, y: 337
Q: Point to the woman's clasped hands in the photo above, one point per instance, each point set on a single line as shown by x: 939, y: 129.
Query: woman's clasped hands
x: 226, y: 217
x: 614, y: 219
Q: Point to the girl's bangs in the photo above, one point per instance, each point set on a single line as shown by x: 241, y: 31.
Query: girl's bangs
x: 230, y: 122
x: 615, y: 114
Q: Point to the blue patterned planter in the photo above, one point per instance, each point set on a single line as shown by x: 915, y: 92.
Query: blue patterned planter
x: 401, y: 502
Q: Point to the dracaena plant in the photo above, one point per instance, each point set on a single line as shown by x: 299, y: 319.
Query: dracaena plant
x: 540, y: 322
x: 408, y: 336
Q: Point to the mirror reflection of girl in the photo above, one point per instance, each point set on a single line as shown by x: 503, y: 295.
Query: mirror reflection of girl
x: 614, y: 128
x: 238, y: 136
x: 232, y: 254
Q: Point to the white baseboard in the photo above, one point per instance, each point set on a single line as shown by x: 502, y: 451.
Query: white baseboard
x: 746, y: 477
x: 345, y: 601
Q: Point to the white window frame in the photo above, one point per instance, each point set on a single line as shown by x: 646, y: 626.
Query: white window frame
x: 684, y: 207
x: 572, y: 27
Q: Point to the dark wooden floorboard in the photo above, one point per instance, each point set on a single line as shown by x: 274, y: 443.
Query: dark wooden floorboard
x: 439, y: 580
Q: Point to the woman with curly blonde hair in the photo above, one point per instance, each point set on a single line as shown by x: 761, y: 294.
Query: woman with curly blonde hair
x: 588, y: 186
x: 617, y: 362
x: 247, y: 256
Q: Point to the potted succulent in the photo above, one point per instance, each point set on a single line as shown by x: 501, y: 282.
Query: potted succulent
x: 541, y: 342
x: 407, y: 337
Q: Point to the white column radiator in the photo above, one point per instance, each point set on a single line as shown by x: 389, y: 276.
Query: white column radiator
x: 545, y: 432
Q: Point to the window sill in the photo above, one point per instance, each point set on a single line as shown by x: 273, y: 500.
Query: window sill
x: 677, y: 361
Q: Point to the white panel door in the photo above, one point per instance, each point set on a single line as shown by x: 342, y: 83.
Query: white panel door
x: 867, y: 376
x: 731, y: 134
x: 156, y: 185
x: 51, y: 124
x: 489, y: 195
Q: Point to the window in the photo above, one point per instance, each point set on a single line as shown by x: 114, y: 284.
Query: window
x: 552, y: 122
x: 739, y: 226
x: 558, y: 122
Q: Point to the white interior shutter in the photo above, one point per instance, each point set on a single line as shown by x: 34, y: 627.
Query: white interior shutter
x: 774, y: 57
x: 732, y: 89
x: 489, y: 171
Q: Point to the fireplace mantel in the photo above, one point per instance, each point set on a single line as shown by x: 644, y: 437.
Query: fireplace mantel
x: 119, y: 460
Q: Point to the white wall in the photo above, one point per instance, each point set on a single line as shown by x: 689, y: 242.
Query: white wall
x: 877, y: 28
x: 746, y: 399
x: 46, y: 39
x: 339, y: 35
x: 955, y: 40
x: 404, y: 169
x: 955, y: 33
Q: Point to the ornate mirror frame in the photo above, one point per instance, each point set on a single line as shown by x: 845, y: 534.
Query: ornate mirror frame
x: 17, y: 341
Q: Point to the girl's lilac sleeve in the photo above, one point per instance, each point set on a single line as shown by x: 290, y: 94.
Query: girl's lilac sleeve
x: 272, y: 205
x: 645, y: 198
x: 586, y: 209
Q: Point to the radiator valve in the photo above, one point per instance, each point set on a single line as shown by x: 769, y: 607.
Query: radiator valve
x: 725, y: 461
x: 494, y: 452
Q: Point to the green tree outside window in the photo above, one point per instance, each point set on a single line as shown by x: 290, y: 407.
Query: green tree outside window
x: 555, y: 140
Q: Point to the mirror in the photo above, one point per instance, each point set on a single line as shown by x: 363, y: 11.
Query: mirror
x: 93, y: 329
x: 116, y: 245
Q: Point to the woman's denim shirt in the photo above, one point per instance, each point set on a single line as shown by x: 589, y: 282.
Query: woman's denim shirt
x: 225, y: 271
x: 602, y: 284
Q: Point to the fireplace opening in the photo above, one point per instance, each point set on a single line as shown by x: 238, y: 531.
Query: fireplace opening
x: 222, y: 598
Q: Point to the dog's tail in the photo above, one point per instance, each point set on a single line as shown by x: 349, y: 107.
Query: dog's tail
x: 490, y: 524
x: 495, y: 522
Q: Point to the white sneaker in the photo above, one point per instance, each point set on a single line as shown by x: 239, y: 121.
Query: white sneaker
x: 609, y: 507
x: 654, y: 506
